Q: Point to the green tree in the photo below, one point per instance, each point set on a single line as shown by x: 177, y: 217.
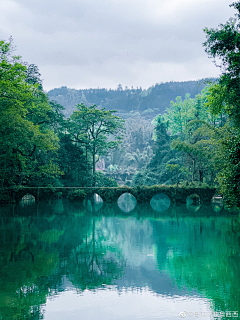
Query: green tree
x: 72, y: 161
x: 156, y: 172
x: 98, y: 130
x: 178, y: 115
x: 26, y: 139
x: 223, y: 45
x: 201, y: 147
x: 161, y: 148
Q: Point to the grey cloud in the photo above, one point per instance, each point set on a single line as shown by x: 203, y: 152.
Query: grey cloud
x: 112, y: 41
x: 71, y: 8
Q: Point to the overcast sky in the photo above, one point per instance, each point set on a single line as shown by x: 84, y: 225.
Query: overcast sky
x: 101, y: 43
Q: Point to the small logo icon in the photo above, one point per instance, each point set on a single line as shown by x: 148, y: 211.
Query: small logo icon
x: 183, y: 314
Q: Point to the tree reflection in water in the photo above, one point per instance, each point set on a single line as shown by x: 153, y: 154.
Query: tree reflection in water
x: 66, y: 241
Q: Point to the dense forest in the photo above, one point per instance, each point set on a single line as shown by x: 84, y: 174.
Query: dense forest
x: 128, y: 102
x: 192, y: 138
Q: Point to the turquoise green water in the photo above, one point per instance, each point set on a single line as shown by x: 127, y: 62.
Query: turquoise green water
x: 61, y: 261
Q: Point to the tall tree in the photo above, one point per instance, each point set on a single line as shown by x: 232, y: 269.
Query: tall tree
x: 24, y: 113
x: 223, y: 45
x: 155, y: 172
x: 178, y: 115
x: 161, y: 148
x: 98, y: 130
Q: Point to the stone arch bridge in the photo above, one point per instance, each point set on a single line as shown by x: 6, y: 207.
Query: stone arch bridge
x: 142, y: 194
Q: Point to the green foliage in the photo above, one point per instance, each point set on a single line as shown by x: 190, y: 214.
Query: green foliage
x: 223, y: 44
x: 112, y: 168
x: 180, y: 113
x: 155, y: 171
x: 199, y: 135
x: 135, y: 150
x: 74, y: 162
x: 201, y: 149
x: 26, y: 140
x: 48, y: 174
x: 161, y: 148
x: 216, y: 101
x: 172, y: 167
x: 103, y: 181
x: 38, y: 147
x: 229, y: 169
x: 77, y: 195
x: 196, y: 146
x: 50, y: 236
x: 98, y: 130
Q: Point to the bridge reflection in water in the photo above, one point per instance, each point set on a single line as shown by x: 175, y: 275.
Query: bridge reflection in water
x: 93, y: 202
x: 127, y: 202
x: 160, y: 202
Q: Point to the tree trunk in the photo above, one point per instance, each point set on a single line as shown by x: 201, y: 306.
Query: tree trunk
x: 193, y: 171
x: 94, y: 162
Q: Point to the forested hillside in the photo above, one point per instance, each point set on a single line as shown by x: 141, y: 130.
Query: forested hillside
x: 148, y: 103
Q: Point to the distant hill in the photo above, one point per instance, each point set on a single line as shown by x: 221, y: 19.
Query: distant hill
x: 127, y: 101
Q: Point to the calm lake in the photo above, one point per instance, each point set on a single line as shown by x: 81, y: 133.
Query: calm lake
x: 68, y: 261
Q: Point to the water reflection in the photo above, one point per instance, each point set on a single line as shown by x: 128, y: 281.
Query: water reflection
x: 193, y: 202
x: 121, y: 265
x: 93, y: 263
x: 127, y: 202
x: 27, y: 200
x: 217, y: 203
x: 160, y: 202
x: 58, y: 206
x: 93, y: 202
